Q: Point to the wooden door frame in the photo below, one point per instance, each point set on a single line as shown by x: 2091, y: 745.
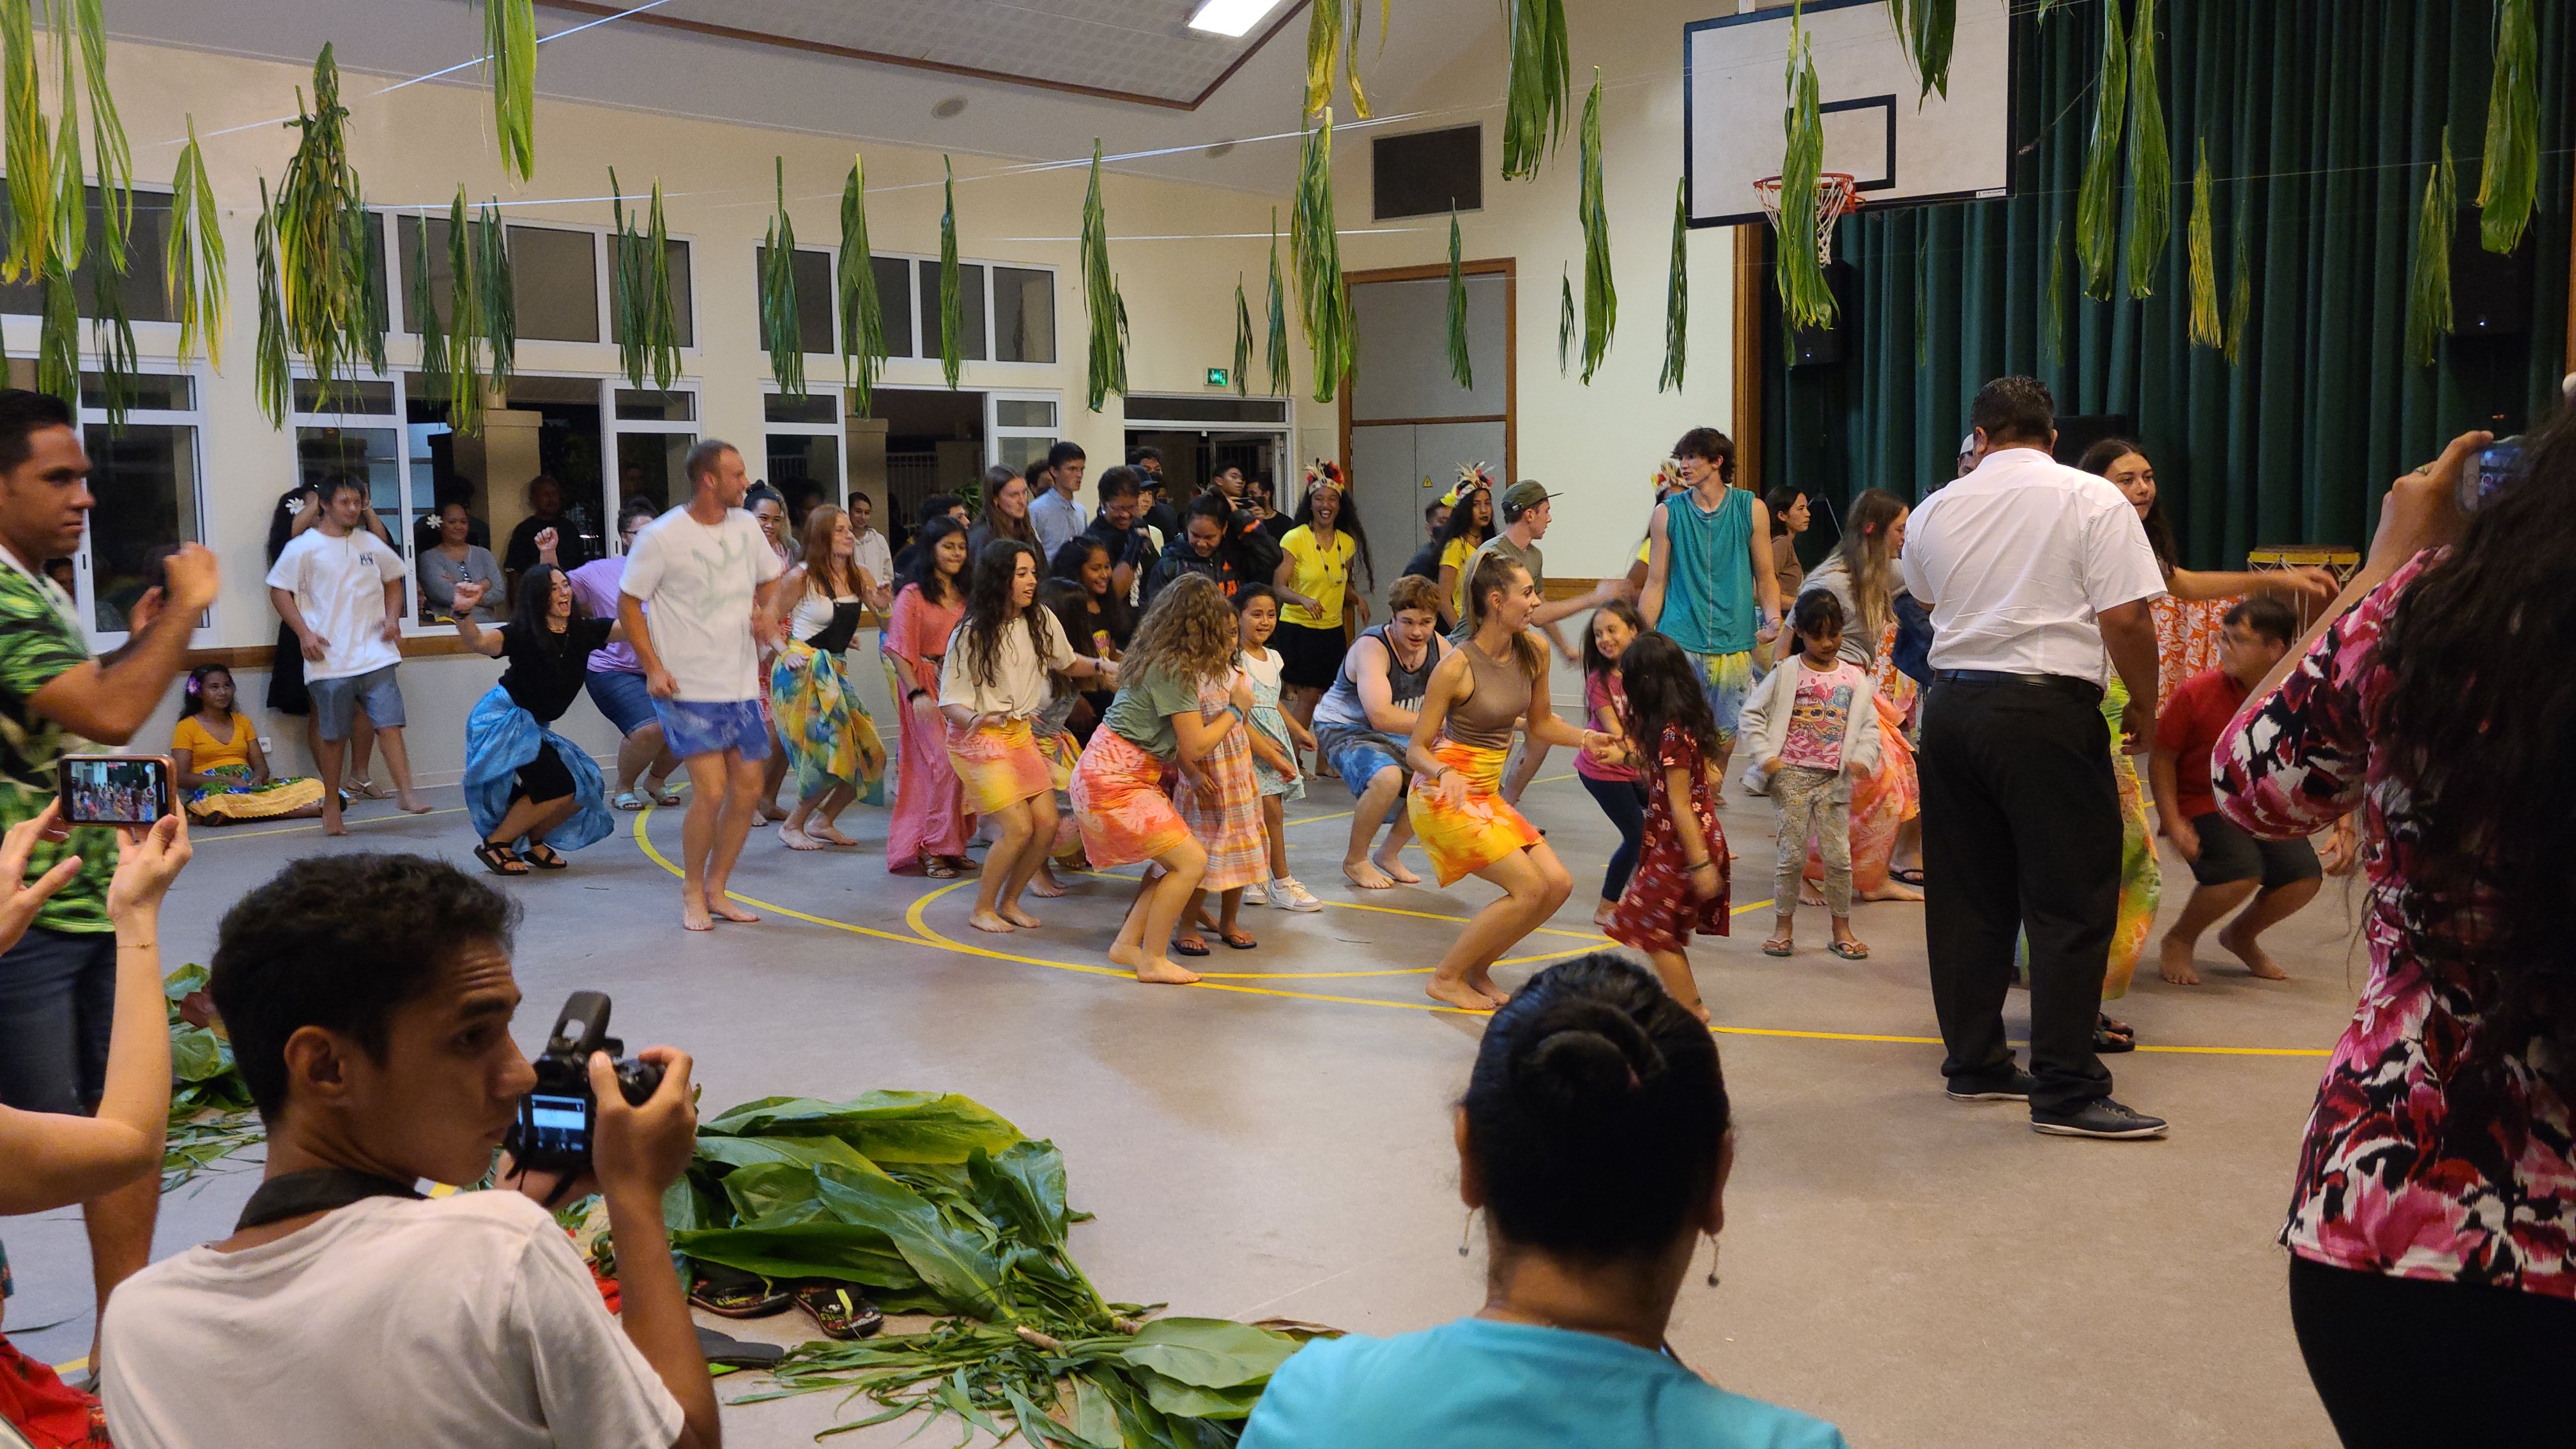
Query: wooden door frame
x: 1503, y: 267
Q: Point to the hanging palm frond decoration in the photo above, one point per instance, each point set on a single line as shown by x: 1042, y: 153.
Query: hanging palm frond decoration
x: 2150, y: 162
x: 2428, y: 270
x: 58, y: 341
x: 952, y: 317
x: 112, y: 337
x: 424, y: 306
x: 2509, y: 172
x: 268, y: 357
x: 71, y: 191
x: 1564, y: 321
x: 2056, y: 324
x: 1323, y: 304
x: 1677, y: 294
x: 630, y: 288
x: 1462, y: 368
x: 497, y: 288
x: 1537, y: 85
x: 510, y: 50
x: 2240, y: 307
x: 780, y: 322
x: 1927, y: 29
x: 1805, y: 298
x: 30, y: 146
x: 1242, y: 374
x: 863, y: 345
x: 464, y: 324
x: 1274, y: 350
x: 662, y: 311
x: 192, y: 264
x: 1100, y: 292
x: 1333, y: 45
x: 106, y: 135
x: 1600, y: 294
x: 2206, y: 330
x: 321, y: 236
x: 2097, y: 199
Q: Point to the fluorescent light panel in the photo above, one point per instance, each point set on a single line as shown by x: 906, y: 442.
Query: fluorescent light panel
x: 1231, y: 17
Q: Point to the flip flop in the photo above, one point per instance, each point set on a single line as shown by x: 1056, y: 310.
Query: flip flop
x: 1849, y: 950
x: 937, y: 869
x: 1238, y: 940
x: 628, y: 800
x: 1911, y: 875
x: 732, y: 1352
x: 1777, y: 947
x: 840, y: 1310
x: 664, y: 796
x: 1183, y: 946
x: 733, y: 1293
x: 2110, y: 1036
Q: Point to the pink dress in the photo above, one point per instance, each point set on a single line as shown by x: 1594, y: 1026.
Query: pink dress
x: 930, y: 812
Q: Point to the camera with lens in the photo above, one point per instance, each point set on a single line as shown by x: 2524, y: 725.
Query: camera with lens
x: 553, y: 1133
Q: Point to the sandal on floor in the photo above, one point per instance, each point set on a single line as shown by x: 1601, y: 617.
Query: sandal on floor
x: 1778, y: 947
x: 1184, y: 946
x: 1849, y: 950
x: 498, y: 859
x: 839, y: 1309
x: 733, y: 1293
x: 727, y: 1351
x: 937, y: 869
x: 664, y: 796
x: 545, y: 857
x: 628, y: 800
x: 1238, y: 940
x: 1911, y: 875
x: 2113, y: 1036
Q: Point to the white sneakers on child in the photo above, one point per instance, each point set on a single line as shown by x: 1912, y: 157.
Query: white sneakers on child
x: 1286, y: 894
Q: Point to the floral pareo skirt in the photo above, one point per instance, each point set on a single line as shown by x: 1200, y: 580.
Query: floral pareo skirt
x: 223, y: 804
x: 830, y: 737
x: 1226, y: 816
x: 999, y: 765
x: 1119, y: 802
x: 1463, y: 839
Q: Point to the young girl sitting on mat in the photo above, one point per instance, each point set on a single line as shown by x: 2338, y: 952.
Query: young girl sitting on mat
x: 1276, y: 740
x: 1680, y: 886
x: 1615, y: 785
x: 1494, y: 681
x: 992, y: 682
x: 1810, y: 728
x: 1186, y: 640
x: 224, y: 777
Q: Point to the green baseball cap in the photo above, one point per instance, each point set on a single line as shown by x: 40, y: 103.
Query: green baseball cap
x: 1525, y: 495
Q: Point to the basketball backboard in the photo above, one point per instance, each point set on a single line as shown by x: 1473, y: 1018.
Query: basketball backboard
x: 1735, y: 89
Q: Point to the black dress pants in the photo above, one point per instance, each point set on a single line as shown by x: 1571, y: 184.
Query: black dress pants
x: 2021, y: 836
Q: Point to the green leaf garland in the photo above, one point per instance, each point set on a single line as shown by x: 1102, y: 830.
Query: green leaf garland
x: 2240, y: 307
x: 320, y: 231
x: 107, y: 140
x: 2509, y: 172
x: 2428, y: 268
x: 1106, y: 311
x: 1323, y: 303
x: 779, y: 319
x: 510, y: 49
x: 1927, y: 29
x: 952, y: 316
x: 1538, y: 84
x: 2150, y: 161
x: 464, y: 324
x: 1242, y: 373
x: 424, y: 306
x: 1805, y: 298
x: 192, y: 264
x: 2206, y: 330
x: 112, y: 334
x: 30, y: 146
x: 269, y: 378
x: 498, y: 294
x: 1564, y: 321
x: 1677, y: 295
x: 2056, y: 323
x: 639, y: 293
x: 1600, y: 294
x: 863, y: 344
x: 1274, y: 350
x: 1462, y: 368
x: 2097, y: 199
x: 58, y: 342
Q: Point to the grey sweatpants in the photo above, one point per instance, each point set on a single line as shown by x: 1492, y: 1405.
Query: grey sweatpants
x: 1803, y: 798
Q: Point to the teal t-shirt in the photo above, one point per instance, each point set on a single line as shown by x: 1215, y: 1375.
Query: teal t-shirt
x: 1142, y: 712
x: 1709, y: 602
x: 1478, y: 1384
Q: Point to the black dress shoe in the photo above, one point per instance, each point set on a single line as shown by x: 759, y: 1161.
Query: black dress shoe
x: 2100, y: 1117
x: 2013, y: 1087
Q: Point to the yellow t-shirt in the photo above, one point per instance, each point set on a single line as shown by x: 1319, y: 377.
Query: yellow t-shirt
x: 1320, y: 575
x: 1456, y: 556
x: 205, y: 752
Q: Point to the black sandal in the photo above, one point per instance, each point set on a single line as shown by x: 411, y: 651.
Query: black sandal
x: 546, y: 857
x: 1910, y: 875
x: 2113, y: 1036
x: 839, y: 1309
x: 498, y: 859
x: 733, y: 1293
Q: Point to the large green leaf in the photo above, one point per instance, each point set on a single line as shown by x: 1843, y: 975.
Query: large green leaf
x: 1024, y: 1188
x: 886, y: 1127
x: 807, y: 1250
x: 802, y: 1151
x: 1212, y: 1353
x: 949, y: 1260
x: 1193, y: 1401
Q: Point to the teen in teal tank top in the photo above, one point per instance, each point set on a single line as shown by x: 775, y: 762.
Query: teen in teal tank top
x: 1709, y: 601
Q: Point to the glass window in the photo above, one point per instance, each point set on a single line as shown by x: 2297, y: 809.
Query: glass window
x: 146, y: 393
x: 821, y: 407
x: 816, y: 303
x: 970, y: 309
x: 346, y: 397
x: 1019, y: 453
x: 373, y: 454
x: 646, y: 405
x: 145, y: 295
x: 683, y: 306
x: 1023, y: 315
x: 805, y: 468
x: 650, y: 467
x: 144, y: 476
x: 555, y: 280
x: 1022, y: 412
x: 894, y: 303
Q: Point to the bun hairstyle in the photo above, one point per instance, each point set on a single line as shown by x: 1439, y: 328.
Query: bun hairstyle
x: 1596, y: 1113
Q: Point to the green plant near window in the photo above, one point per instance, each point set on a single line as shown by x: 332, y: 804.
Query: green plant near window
x: 1600, y: 293
x: 2206, y: 329
x: 952, y: 313
x: 1927, y: 29
x: 464, y: 324
x: 268, y: 358
x: 1462, y: 369
x: 1537, y: 86
x: 1805, y: 299
x: 1275, y: 350
x: 639, y: 292
x: 1323, y: 303
x: 510, y: 50
x: 1241, y: 372
x: 192, y: 264
x: 2097, y: 197
x: 863, y: 346
x: 2509, y: 172
x: 424, y: 306
x: 320, y: 225
x: 778, y: 315
x: 1106, y: 309
x: 58, y: 341
x: 106, y: 135
x: 1677, y: 295
x: 30, y: 146
x: 2150, y: 160
x: 2428, y: 267
x: 498, y: 287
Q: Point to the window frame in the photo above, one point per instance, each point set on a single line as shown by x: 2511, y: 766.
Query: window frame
x: 912, y: 300
x: 195, y: 420
x: 398, y: 279
x: 838, y: 430
x: 832, y: 270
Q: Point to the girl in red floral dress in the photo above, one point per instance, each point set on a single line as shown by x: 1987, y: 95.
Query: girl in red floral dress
x: 1680, y: 885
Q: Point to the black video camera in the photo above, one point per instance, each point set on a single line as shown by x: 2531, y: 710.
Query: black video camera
x: 553, y: 1133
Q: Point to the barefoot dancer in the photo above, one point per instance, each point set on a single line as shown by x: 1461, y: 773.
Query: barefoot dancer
x: 1367, y: 714
x: 830, y: 739
x: 1187, y: 639
x: 993, y: 682
x: 1494, y: 681
x: 1680, y: 887
x: 711, y: 578
x: 931, y: 822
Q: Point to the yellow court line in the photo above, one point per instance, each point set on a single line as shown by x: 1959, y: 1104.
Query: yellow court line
x: 204, y: 835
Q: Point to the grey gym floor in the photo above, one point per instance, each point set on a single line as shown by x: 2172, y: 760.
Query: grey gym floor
x: 1923, y: 1273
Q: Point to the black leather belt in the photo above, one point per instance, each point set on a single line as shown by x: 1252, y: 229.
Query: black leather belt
x: 2083, y: 689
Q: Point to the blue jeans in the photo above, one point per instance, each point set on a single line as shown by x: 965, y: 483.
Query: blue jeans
x: 1624, y: 801
x: 57, y: 1002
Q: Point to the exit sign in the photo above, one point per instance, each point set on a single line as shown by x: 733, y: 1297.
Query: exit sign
x: 1220, y: 377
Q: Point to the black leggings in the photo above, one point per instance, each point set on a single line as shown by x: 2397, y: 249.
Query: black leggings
x: 2408, y: 1362
x: 1624, y: 801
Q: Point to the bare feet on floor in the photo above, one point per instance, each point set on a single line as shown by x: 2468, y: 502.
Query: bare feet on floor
x: 722, y: 907
x: 2251, y: 952
x: 693, y: 912
x: 1894, y: 890
x: 2174, y: 963
x: 1458, y: 994
x: 414, y: 805
x: 1483, y: 983
x: 989, y: 921
x: 1152, y: 970
x: 332, y: 824
x: 1020, y: 918
x: 1808, y: 895
x: 1601, y: 914
x: 1394, y: 868
x: 1046, y: 885
x: 1365, y: 875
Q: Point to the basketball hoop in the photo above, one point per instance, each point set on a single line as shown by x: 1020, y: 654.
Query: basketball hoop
x: 1835, y: 195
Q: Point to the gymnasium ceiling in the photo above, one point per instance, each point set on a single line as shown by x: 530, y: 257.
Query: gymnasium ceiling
x: 1037, y: 79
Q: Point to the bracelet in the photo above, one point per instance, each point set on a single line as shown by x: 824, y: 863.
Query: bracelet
x: 1705, y: 865
x: 124, y: 945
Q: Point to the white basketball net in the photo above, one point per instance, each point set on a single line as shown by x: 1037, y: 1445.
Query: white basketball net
x: 1835, y: 195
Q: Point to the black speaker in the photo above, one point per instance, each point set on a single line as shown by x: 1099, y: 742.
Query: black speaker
x: 1822, y: 346
x: 2075, y: 434
x: 2490, y: 294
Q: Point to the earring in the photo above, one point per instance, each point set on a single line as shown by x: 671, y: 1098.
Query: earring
x: 1712, y: 1260
x: 1464, y: 1229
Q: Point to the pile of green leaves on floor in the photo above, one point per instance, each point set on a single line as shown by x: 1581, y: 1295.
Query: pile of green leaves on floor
x: 935, y: 1204
x: 211, y: 1116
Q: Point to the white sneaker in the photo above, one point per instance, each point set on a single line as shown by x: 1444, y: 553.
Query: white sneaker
x: 1285, y: 893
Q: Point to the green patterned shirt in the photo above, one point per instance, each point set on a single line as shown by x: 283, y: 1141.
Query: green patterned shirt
x: 39, y: 640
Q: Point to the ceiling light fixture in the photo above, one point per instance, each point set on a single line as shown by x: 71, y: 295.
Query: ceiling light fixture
x: 1230, y: 17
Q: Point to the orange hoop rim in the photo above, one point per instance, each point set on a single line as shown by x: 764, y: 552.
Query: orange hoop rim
x: 1837, y: 193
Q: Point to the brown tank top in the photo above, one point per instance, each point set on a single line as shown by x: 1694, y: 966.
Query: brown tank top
x: 1502, y: 695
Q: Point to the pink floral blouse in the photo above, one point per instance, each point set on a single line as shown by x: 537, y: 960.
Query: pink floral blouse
x: 2429, y: 1154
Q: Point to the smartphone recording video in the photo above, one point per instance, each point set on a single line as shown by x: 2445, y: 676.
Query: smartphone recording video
x: 116, y: 789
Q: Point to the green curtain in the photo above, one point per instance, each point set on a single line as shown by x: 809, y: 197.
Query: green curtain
x: 2320, y: 120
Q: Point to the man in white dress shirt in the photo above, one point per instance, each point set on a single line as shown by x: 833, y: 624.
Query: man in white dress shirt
x: 2033, y: 572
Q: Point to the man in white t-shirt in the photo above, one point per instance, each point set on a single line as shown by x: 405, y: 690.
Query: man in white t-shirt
x: 710, y: 576
x: 369, y: 1000
x: 2033, y: 571
x: 339, y: 587
x: 873, y: 554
